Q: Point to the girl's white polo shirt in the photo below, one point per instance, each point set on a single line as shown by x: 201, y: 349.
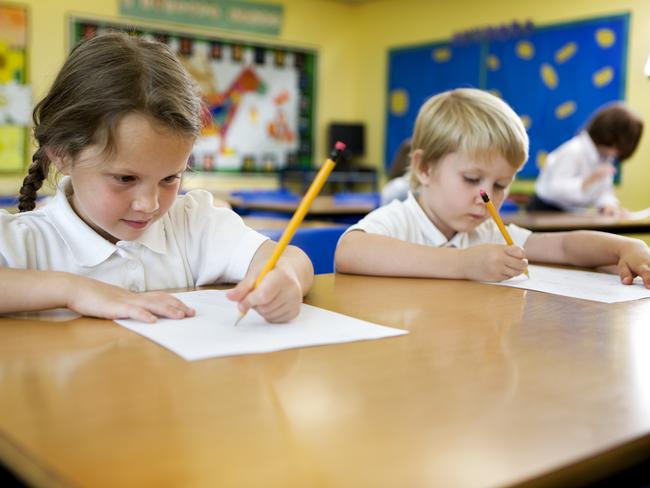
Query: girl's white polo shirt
x: 193, y: 244
x: 407, y: 221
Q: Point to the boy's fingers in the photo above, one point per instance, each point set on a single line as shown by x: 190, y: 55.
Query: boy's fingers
x: 239, y: 292
x: 625, y: 274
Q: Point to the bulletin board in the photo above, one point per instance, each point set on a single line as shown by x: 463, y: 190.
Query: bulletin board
x: 259, y: 99
x: 15, y: 93
x: 554, y: 77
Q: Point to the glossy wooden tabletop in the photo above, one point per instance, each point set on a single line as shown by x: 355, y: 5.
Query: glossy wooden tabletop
x: 565, y: 221
x: 493, y: 386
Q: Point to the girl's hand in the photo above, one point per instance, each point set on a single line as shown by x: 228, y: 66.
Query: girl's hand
x: 634, y: 260
x: 96, y: 299
x: 277, y: 298
x: 493, y: 262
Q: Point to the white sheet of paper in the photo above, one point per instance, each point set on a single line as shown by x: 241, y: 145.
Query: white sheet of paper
x: 638, y: 215
x: 211, y: 333
x: 586, y: 285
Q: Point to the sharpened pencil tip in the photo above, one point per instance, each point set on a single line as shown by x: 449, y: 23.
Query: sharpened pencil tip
x: 241, y: 316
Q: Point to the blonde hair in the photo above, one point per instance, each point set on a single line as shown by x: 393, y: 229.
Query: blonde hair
x: 472, y: 121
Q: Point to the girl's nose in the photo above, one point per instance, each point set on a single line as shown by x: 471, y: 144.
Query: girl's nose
x: 146, y: 201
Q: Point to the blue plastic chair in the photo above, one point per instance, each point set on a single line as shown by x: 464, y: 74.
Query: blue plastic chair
x: 319, y: 243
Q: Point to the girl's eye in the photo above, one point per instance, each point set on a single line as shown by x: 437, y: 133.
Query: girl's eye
x: 171, y: 179
x: 124, y: 178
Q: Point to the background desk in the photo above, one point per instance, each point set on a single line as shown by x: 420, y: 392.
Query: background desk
x: 555, y: 221
x: 493, y: 386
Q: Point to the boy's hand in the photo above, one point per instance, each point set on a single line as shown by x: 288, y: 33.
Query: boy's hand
x: 96, y: 299
x: 634, y: 260
x: 277, y: 298
x: 493, y: 262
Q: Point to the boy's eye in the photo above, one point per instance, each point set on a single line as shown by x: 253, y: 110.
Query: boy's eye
x: 469, y: 179
x: 499, y: 187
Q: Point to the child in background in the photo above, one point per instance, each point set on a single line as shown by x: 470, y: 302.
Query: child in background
x: 119, y: 122
x: 580, y: 173
x: 397, y: 186
x: 466, y: 140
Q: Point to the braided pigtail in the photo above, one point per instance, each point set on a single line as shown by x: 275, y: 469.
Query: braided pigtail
x: 33, y: 181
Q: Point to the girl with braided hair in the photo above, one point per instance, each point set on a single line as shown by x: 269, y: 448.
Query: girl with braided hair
x: 118, y: 124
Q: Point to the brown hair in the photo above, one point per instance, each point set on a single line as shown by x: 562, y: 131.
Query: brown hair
x: 104, y: 79
x: 616, y: 125
x: 469, y: 120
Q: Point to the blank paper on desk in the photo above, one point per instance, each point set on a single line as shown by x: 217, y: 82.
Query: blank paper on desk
x: 587, y: 285
x: 211, y: 332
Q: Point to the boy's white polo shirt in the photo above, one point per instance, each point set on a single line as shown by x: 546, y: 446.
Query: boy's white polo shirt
x: 193, y: 244
x: 407, y: 221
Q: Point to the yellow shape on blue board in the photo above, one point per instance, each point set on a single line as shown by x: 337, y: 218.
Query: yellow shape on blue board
x: 12, y: 147
x: 540, y: 158
x: 566, y: 52
x: 605, y: 37
x: 525, y: 50
x: 565, y: 109
x: 492, y: 62
x: 549, y: 76
x: 603, y: 76
x: 399, y: 102
x: 526, y: 120
x: 441, y: 55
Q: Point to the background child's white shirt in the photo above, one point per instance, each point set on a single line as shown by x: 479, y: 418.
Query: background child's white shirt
x: 407, y: 221
x: 193, y: 244
x: 395, y: 189
x: 560, y: 180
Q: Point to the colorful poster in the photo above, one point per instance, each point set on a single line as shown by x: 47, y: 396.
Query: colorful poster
x: 12, y: 148
x: 15, y: 97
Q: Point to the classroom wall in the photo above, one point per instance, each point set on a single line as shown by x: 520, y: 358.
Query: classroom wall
x: 385, y: 24
x: 324, y: 26
x: 352, y: 41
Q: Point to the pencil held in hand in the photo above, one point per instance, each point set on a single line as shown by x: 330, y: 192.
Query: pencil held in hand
x: 497, y: 219
x: 300, y: 213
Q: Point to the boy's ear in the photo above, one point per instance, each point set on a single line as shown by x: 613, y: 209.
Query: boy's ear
x: 419, y: 167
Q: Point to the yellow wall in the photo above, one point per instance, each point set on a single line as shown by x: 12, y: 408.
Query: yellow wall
x: 352, y: 42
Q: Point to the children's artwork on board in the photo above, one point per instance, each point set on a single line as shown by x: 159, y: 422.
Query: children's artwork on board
x: 15, y: 94
x: 258, y: 110
x: 553, y: 76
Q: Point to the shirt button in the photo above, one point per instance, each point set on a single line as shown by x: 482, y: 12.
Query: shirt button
x: 134, y: 288
x: 131, y: 264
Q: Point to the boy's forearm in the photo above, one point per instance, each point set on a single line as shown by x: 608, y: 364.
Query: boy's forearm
x: 28, y: 290
x: 591, y: 248
x: 370, y: 254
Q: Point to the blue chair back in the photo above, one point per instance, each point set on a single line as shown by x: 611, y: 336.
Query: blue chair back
x: 319, y: 243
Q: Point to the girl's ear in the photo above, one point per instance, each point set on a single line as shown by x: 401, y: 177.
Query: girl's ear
x: 419, y: 167
x: 59, y: 161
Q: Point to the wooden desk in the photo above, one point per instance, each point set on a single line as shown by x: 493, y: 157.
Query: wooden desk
x: 555, y: 221
x: 271, y: 223
x: 493, y: 386
x: 324, y: 206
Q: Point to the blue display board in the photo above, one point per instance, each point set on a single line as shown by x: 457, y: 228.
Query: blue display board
x: 554, y: 78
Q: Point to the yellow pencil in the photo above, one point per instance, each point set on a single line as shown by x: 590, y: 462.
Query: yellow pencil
x: 300, y: 213
x: 497, y: 219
